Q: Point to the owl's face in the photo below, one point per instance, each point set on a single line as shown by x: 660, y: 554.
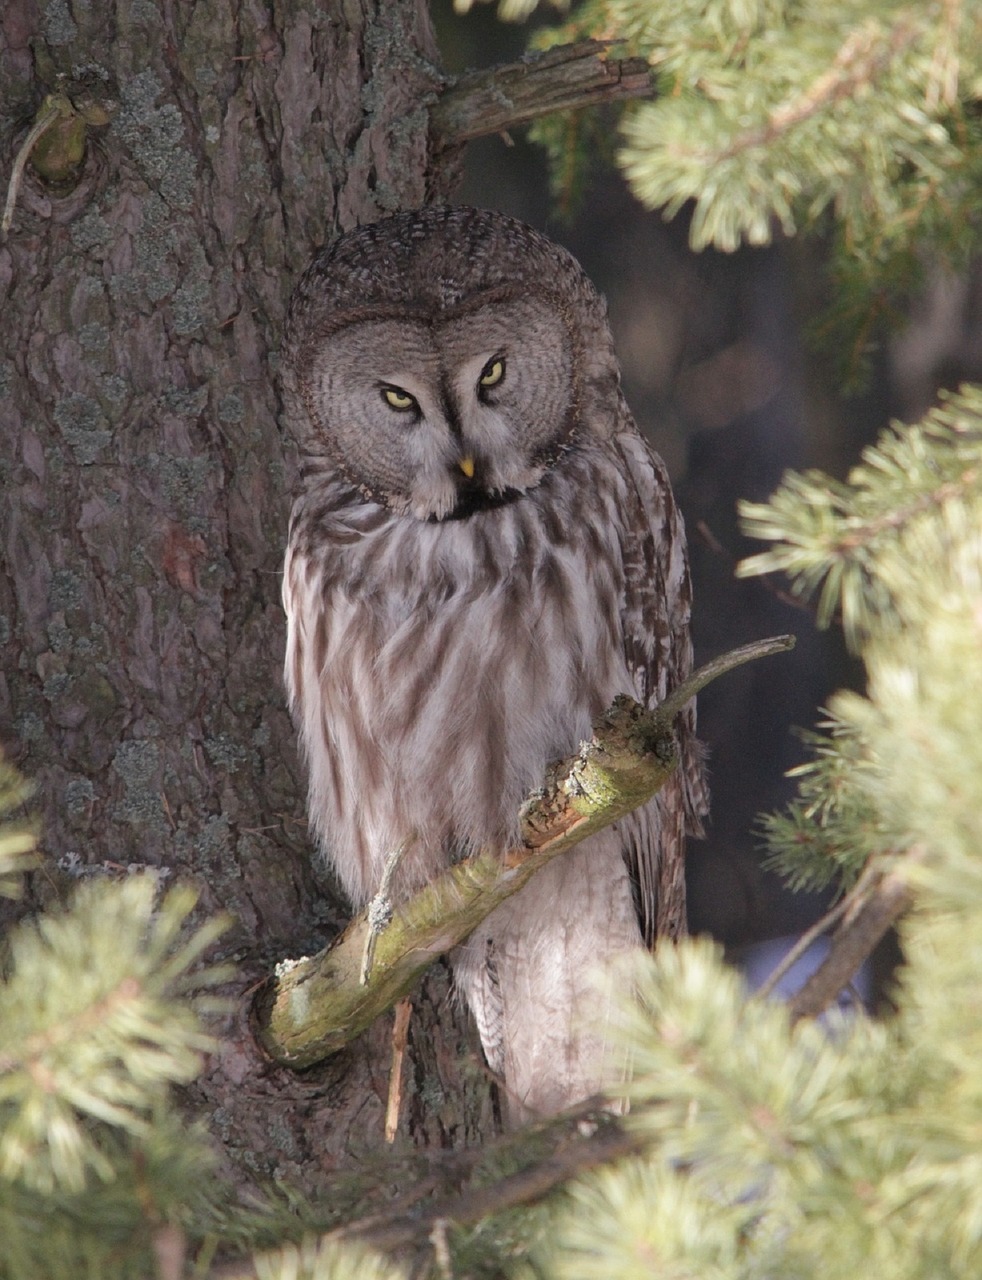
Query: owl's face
x: 444, y: 359
x: 441, y: 417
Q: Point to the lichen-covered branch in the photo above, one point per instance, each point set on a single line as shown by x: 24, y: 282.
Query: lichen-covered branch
x: 312, y: 1007
x: 560, y: 79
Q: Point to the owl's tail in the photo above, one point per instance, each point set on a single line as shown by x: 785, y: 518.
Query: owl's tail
x: 533, y: 976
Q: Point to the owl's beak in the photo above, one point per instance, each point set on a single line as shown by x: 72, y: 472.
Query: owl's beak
x: 467, y: 466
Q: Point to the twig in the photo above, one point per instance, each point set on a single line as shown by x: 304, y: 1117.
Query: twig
x: 788, y: 962
x: 868, y: 919
x: 51, y: 111
x: 688, y: 689
x: 581, y: 1139
x: 170, y: 1248
x: 400, y: 1037
x: 560, y: 79
x: 441, y: 1248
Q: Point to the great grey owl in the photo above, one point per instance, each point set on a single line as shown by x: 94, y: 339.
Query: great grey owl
x: 483, y: 553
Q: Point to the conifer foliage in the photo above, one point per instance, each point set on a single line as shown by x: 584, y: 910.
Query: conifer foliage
x: 771, y: 1148
x: 103, y: 1011
x: 814, y: 1150
x: 97, y: 1027
x: 771, y: 111
x: 856, y: 118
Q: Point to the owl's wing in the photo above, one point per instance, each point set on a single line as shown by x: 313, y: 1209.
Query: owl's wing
x: 655, y: 613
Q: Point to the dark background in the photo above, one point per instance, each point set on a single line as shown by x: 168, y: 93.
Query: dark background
x: 722, y: 380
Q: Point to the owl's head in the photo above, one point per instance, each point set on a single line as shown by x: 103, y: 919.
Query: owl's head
x: 445, y: 359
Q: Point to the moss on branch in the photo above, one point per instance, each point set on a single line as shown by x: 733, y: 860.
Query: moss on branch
x: 311, y: 1007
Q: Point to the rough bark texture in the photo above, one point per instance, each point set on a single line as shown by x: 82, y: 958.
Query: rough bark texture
x: 146, y: 484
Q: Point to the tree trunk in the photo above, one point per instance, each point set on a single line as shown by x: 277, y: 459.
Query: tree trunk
x: 146, y: 483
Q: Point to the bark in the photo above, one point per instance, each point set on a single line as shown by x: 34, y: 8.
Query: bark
x: 146, y: 483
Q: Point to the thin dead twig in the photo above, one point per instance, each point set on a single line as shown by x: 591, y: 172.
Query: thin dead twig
x: 871, y: 913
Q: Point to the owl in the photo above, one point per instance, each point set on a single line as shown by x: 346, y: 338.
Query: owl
x: 482, y: 553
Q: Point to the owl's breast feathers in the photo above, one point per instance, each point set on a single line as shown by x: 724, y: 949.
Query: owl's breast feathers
x: 456, y: 364
x: 436, y: 669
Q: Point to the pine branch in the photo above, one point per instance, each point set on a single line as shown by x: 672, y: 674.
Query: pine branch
x: 17, y: 836
x: 550, y: 1155
x: 570, y: 1159
x: 831, y: 538
x: 861, y: 60
x: 312, y: 1007
x: 563, y: 78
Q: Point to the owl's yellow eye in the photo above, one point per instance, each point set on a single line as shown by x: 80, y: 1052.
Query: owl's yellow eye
x: 396, y: 398
x: 492, y: 373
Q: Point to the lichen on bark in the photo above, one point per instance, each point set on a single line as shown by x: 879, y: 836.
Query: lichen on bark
x: 146, y: 481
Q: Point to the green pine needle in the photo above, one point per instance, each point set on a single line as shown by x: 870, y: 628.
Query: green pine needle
x: 95, y: 1029
x: 831, y: 538
x: 17, y: 835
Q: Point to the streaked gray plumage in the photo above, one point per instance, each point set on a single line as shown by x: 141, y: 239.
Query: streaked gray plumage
x: 483, y: 553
